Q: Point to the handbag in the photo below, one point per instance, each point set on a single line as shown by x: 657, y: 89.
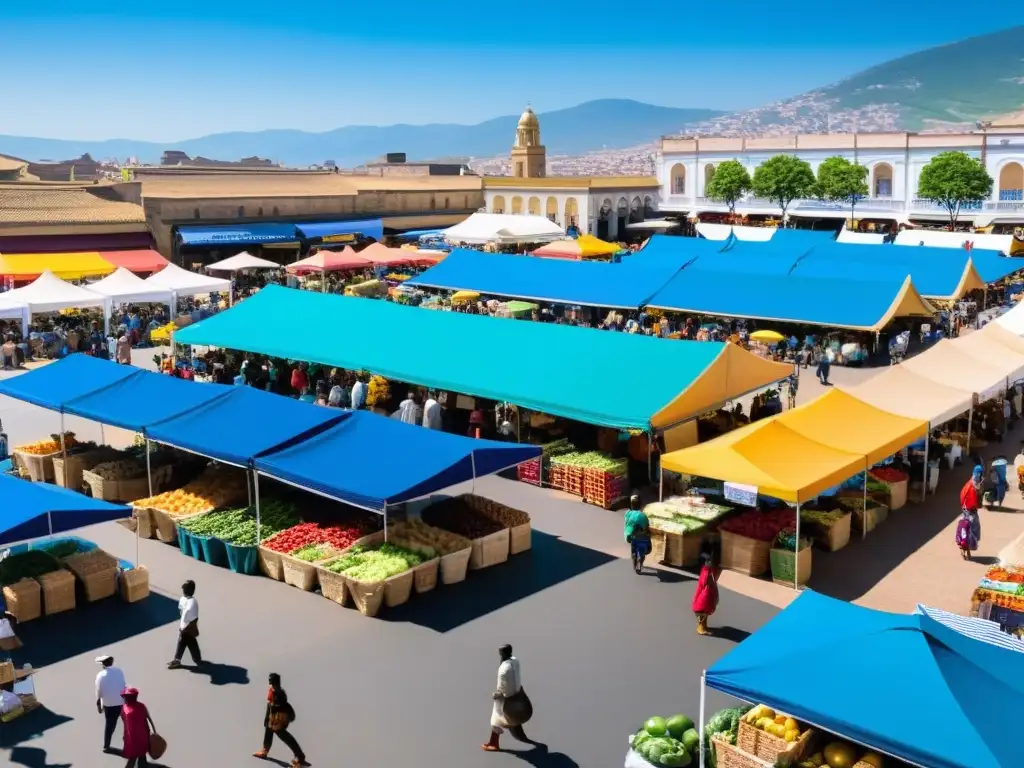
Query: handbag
x: 191, y: 629
x: 279, y: 720
x: 157, y: 745
x: 518, y: 709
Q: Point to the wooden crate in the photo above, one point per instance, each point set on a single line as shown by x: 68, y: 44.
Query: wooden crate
x: 520, y: 538
x: 830, y: 538
x: 455, y: 565
x: 676, y: 549
x: 426, y: 575
x: 557, y: 476
x: 97, y: 571
x: 398, y: 588
x: 68, y: 473
x: 875, y: 517
x: 743, y: 554
x: 116, y: 490
x: 58, y: 588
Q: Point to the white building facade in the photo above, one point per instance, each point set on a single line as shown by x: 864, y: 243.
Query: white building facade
x: 894, y: 162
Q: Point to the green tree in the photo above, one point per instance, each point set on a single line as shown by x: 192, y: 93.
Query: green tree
x: 840, y: 181
x: 783, y: 179
x: 952, y: 180
x: 730, y: 183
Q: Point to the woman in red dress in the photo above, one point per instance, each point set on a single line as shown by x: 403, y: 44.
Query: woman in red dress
x: 705, y: 599
x: 137, y: 727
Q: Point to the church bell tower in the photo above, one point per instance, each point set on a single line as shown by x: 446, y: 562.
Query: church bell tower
x: 529, y: 158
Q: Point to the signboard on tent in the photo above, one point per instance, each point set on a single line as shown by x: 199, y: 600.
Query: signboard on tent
x: 741, y: 494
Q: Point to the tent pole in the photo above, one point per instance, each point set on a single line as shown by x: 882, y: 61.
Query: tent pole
x: 385, y: 521
x: 700, y: 723
x: 650, y: 454
x: 970, y: 419
x: 661, y: 486
x: 149, y: 471
x: 248, y: 488
x: 796, y: 554
x: 864, y: 513
x: 924, y: 485
x: 63, y: 447
x: 256, y: 487
x: 472, y: 463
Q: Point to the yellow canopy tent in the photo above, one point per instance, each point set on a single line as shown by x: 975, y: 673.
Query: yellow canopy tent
x: 591, y: 246
x: 841, y: 421
x: 734, y: 373
x: 771, y: 457
x: 583, y: 247
x: 67, y: 266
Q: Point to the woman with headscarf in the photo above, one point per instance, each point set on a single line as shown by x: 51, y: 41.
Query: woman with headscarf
x: 276, y: 721
x: 968, y: 529
x: 138, y: 726
x: 705, y: 597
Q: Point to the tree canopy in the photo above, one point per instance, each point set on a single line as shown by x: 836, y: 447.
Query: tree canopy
x: 953, y: 180
x: 783, y: 179
x: 841, y: 181
x: 730, y: 183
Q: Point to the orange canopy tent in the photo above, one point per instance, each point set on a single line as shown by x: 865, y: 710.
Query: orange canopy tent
x: 329, y: 261
x: 391, y: 257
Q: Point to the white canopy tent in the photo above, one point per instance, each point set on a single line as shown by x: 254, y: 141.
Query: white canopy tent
x: 48, y: 293
x: 504, y: 228
x: 10, y: 310
x: 860, y: 238
x: 722, y: 232
x: 657, y: 225
x: 123, y: 286
x: 1012, y: 321
x: 1002, y: 243
x: 241, y: 261
x: 181, y: 282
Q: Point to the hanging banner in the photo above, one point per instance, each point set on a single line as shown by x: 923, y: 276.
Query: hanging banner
x: 741, y: 494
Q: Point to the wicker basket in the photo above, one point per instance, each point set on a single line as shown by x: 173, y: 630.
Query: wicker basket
x: 367, y: 596
x: 39, y: 468
x: 743, y: 554
x: 333, y: 585
x: 97, y: 571
x: 489, y: 550
x: 784, y: 566
x: 675, y: 549
x: 143, y: 521
x: 729, y: 756
x: 426, y: 575
x: 398, y: 588
x: 771, y: 748
x: 830, y: 538
x: 270, y: 563
x: 58, y: 589
x: 24, y: 600
x: 6, y: 672
x: 302, y: 575
x: 520, y: 538
x: 875, y: 517
x: 454, y: 566
x: 117, y: 490
x: 135, y: 584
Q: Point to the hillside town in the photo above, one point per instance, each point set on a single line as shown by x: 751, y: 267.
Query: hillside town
x: 283, y: 447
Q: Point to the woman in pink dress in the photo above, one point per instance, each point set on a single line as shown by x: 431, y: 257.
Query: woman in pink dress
x: 705, y: 598
x: 137, y: 727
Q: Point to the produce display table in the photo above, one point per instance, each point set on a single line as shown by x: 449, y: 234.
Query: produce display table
x: 896, y: 482
x: 877, y: 513
x: 746, y: 539
x: 830, y: 530
x: 999, y: 597
x: 594, y: 476
x: 679, y: 525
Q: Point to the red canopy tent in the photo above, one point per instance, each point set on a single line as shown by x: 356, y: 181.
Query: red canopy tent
x: 141, y: 260
x: 330, y: 261
x: 393, y: 257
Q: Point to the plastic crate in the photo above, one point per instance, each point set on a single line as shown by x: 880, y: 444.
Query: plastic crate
x: 244, y: 560
x: 213, y: 551
x: 530, y: 472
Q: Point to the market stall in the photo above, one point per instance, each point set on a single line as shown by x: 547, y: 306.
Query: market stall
x: 582, y: 247
x: 125, y: 287
x: 26, y: 267
x: 482, y: 228
x: 900, y: 676
x: 48, y: 293
x: 180, y: 282
x: 241, y: 262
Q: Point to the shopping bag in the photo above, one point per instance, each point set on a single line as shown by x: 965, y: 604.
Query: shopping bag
x: 157, y: 745
x: 518, y: 709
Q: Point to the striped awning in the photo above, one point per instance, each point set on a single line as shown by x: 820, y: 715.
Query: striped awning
x: 978, y: 629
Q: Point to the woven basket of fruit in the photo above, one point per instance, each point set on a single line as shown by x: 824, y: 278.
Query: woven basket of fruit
x: 771, y: 736
x: 376, y: 573
x: 24, y: 599
x: 58, y: 589
x: 489, y: 539
x: 97, y: 571
x: 730, y: 756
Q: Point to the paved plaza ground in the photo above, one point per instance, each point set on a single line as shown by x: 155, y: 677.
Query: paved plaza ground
x: 601, y: 648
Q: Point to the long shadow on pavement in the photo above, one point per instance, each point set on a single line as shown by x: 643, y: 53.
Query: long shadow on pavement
x: 542, y: 757
x: 34, y: 757
x: 550, y: 561
x: 30, y: 726
x: 90, y: 626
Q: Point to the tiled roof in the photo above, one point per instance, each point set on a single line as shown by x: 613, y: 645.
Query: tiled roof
x: 283, y: 184
x: 41, y: 205
x: 11, y: 163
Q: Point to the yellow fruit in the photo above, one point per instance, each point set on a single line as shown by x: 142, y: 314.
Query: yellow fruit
x: 769, y: 713
x: 873, y: 759
x: 777, y: 730
x: 817, y: 760
x: 762, y: 723
x: 790, y: 724
x: 780, y: 719
x: 792, y: 736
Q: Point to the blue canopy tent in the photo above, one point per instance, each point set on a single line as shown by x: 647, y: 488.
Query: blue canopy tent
x: 341, y: 231
x: 31, y: 510
x: 591, y: 284
x: 372, y: 462
x: 51, y: 386
x: 908, y: 685
x: 678, y: 249
x: 243, y: 424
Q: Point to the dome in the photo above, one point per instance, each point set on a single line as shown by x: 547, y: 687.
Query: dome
x: 528, y: 119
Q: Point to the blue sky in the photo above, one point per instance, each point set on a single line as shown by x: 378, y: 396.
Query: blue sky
x: 185, y: 68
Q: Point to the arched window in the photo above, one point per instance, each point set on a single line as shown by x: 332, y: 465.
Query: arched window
x: 533, y: 206
x: 572, y: 212
x: 709, y: 174
x: 881, y: 184
x: 648, y: 206
x: 498, y: 204
x: 636, y: 210
x: 517, y: 205
x: 622, y: 207
x: 1011, y: 182
x: 551, y: 209
x: 678, y: 179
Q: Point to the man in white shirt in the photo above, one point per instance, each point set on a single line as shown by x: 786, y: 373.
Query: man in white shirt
x: 109, y: 684
x: 359, y: 393
x: 432, y: 412
x: 188, y: 626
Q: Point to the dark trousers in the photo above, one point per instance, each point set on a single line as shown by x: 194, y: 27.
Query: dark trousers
x: 110, y: 717
x: 287, y: 738
x: 190, y: 642
x: 137, y: 762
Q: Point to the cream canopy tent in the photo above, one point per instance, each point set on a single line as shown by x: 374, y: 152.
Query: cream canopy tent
x: 504, y: 228
x: 953, y: 366
x: 1003, y: 243
x: 901, y: 391
x: 125, y: 286
x: 860, y: 238
x: 242, y: 261
x: 1013, y: 320
x: 987, y: 348
x: 181, y: 282
x: 722, y: 232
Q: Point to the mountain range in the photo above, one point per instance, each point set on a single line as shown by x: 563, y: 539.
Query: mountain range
x: 943, y: 88
x: 586, y: 127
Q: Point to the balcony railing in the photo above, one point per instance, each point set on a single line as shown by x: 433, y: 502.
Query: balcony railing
x: 865, y: 205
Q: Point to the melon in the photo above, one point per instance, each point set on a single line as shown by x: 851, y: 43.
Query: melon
x: 873, y: 759
x: 839, y: 754
x: 677, y: 725
x: 657, y: 726
x: 691, y: 740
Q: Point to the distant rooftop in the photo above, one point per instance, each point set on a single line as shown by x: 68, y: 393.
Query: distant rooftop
x: 44, y: 204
